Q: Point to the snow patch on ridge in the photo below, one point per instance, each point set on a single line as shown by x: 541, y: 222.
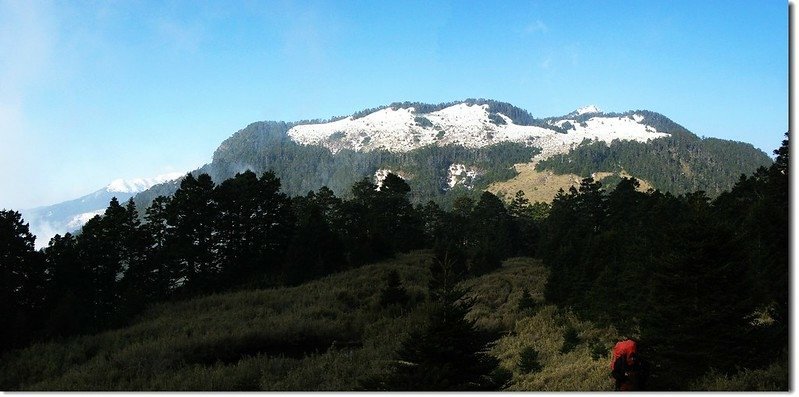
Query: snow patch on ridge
x: 461, y: 174
x: 380, y: 176
x: 382, y: 173
x: 598, y: 128
x: 397, y: 130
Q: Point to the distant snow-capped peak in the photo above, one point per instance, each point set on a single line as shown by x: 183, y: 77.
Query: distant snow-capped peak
x: 587, y: 109
x: 140, y: 184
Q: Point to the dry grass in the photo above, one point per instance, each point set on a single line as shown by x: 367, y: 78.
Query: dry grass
x: 282, y: 339
x: 644, y: 185
x: 576, y: 370
x: 542, y: 186
x: 497, y: 296
x: 538, y: 186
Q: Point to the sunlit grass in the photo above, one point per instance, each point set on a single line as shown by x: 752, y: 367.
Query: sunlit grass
x: 543, y: 329
x: 774, y: 377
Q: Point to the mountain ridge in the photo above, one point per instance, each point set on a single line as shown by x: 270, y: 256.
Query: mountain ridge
x: 450, y: 149
x: 265, y: 145
x: 471, y: 123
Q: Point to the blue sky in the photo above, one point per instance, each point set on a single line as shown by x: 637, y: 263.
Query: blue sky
x: 94, y: 91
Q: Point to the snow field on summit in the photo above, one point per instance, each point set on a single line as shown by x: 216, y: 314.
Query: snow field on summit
x: 469, y: 125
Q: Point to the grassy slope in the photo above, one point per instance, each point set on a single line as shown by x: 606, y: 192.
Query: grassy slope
x: 542, y: 328
x: 323, y: 335
x: 542, y: 186
x: 277, y: 339
x: 283, y: 339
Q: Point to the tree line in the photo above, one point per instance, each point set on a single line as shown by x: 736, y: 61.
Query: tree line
x: 242, y: 233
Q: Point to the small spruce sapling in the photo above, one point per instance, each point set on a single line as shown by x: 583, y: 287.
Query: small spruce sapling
x: 528, y: 360
x: 526, y: 301
x: 393, y: 293
x: 570, y: 340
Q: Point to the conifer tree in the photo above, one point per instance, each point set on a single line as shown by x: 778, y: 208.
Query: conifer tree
x: 526, y: 301
x: 69, y: 287
x: 146, y: 279
x: 528, y: 360
x: 102, y: 248
x: 192, y: 214
x: 448, y: 355
x: 158, y: 235
x: 698, y: 307
x: 490, y: 234
x: 520, y: 206
x: 21, y: 280
x: 525, y: 231
x: 394, y: 212
x: 312, y: 230
x: 253, y: 226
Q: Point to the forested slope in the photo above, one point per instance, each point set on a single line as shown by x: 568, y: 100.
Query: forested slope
x: 678, y: 164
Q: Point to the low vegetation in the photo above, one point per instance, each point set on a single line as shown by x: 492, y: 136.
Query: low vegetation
x: 328, y: 334
x: 322, y: 335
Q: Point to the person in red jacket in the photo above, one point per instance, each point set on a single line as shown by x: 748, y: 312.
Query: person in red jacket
x: 627, y: 368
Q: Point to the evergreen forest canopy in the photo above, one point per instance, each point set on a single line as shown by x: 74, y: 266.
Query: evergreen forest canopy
x: 265, y: 146
x: 701, y: 283
x: 678, y: 164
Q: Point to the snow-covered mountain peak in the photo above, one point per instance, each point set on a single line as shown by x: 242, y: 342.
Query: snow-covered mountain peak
x: 472, y: 125
x: 140, y: 184
x: 402, y: 129
x: 587, y: 109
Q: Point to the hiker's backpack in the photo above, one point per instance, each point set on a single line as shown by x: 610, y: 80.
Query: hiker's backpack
x: 623, y: 348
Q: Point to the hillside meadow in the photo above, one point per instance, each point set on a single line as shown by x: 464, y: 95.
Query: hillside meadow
x: 326, y: 334
x: 331, y: 334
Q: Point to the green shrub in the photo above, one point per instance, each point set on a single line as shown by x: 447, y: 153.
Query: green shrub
x: 598, y: 350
